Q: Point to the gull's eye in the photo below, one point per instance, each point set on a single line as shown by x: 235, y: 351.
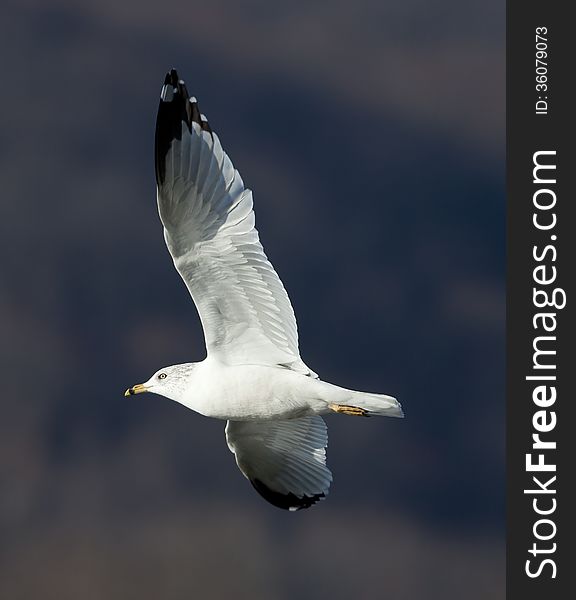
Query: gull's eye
x: 162, y: 376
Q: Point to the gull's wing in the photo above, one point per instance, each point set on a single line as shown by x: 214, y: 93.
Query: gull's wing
x: 285, y: 461
x: 209, y: 229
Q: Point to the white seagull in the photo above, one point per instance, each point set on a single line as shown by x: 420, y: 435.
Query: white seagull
x: 253, y: 376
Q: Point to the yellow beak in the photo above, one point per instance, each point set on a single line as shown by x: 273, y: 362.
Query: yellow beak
x: 139, y: 388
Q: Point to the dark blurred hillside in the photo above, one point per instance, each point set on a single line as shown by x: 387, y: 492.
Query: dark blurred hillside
x: 372, y: 136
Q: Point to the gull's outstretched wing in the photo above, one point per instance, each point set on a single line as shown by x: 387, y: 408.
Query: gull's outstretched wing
x: 285, y: 461
x: 209, y: 229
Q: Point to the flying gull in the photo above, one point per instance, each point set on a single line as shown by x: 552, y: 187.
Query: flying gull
x: 253, y: 376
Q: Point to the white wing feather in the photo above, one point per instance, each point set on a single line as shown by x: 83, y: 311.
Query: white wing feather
x: 209, y: 230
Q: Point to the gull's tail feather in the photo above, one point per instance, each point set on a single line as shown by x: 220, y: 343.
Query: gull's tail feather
x: 377, y: 404
x: 360, y: 404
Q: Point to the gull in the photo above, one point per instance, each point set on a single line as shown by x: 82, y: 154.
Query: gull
x: 253, y: 376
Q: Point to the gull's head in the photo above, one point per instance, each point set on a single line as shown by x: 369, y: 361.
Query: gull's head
x: 170, y: 382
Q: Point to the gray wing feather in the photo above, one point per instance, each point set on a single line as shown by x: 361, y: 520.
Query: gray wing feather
x: 284, y: 460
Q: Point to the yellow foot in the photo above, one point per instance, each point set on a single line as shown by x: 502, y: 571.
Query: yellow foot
x: 353, y: 411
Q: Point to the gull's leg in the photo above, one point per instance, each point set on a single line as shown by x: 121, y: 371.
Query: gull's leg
x: 345, y: 409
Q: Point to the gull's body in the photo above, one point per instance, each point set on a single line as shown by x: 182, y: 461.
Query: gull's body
x: 253, y: 376
x: 252, y: 392
x: 257, y: 392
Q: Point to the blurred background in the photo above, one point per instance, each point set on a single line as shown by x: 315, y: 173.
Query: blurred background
x: 372, y: 134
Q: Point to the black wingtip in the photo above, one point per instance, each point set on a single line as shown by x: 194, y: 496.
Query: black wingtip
x: 172, y: 77
x: 286, y: 501
x: 178, y: 86
x: 176, y: 107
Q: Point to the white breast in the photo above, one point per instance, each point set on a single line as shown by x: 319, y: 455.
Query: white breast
x: 246, y: 392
